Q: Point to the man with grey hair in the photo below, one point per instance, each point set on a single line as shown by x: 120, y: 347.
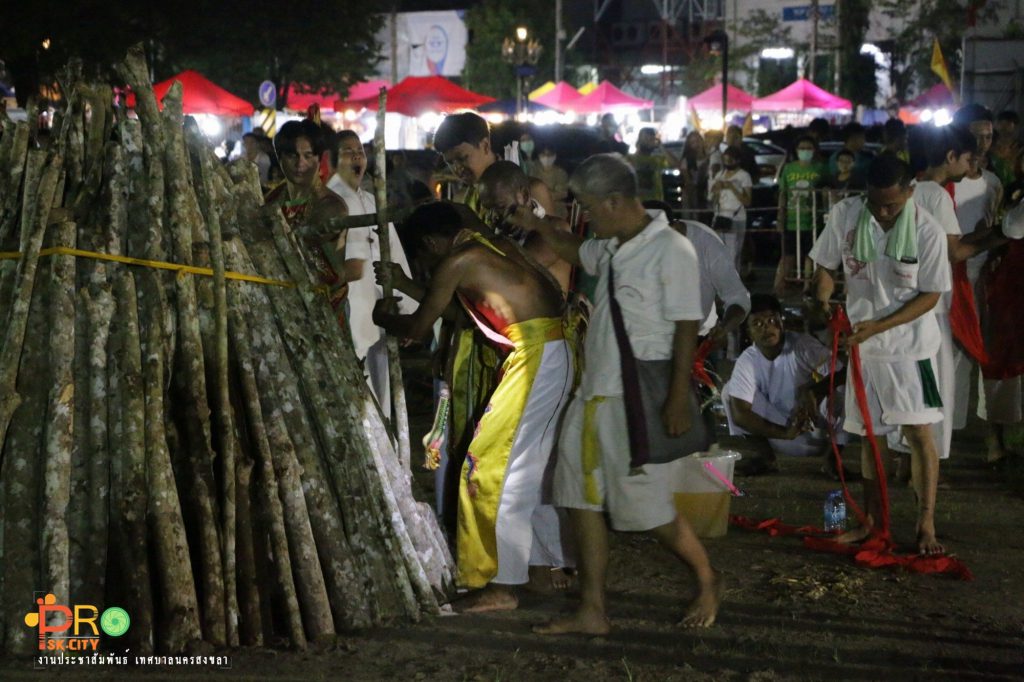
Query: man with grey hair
x: 653, y: 272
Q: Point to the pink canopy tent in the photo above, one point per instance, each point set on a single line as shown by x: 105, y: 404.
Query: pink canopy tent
x: 300, y: 101
x: 563, y: 97
x: 200, y: 96
x: 417, y: 95
x: 801, y: 95
x: 935, y: 97
x: 606, y: 97
x: 711, y: 99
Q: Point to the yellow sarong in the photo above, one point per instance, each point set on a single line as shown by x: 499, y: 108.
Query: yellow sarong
x: 483, y: 473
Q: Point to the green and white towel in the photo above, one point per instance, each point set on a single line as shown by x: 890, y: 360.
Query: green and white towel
x: 902, y: 244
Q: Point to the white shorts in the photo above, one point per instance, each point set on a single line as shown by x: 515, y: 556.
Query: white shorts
x: 898, y: 393
x: 635, y: 503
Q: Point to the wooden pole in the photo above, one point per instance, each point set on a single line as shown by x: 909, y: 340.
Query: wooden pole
x: 399, y: 413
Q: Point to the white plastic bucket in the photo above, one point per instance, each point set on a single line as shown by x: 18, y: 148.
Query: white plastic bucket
x: 700, y: 495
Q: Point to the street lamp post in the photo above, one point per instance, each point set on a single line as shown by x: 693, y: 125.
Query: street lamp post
x: 523, y: 54
x: 718, y: 43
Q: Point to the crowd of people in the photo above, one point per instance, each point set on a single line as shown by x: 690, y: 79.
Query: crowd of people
x: 567, y: 407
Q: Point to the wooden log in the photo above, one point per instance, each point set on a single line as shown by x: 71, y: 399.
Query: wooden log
x: 39, y: 196
x: 290, y: 432
x: 222, y: 403
x: 15, y: 154
x: 189, y: 377
x: 179, y: 626
x: 250, y: 625
x: 399, y: 411
x: 130, y: 489
x: 306, y: 567
x: 59, y: 430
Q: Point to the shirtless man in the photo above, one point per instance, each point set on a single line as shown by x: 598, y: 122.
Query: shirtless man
x: 503, y: 528
x: 503, y: 189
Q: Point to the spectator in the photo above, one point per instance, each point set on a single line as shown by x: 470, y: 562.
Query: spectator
x: 777, y: 394
x: 894, y: 139
x: 1006, y: 149
x: 252, y: 150
x: 610, y: 140
x: 555, y: 177
x: 746, y: 156
x: 797, y: 217
x: 649, y: 162
x: 854, y: 139
x: 730, y: 193
x: 846, y: 180
x: 694, y: 154
x: 527, y: 156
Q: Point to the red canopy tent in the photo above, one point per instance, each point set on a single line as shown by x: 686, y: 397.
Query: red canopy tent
x: 799, y: 96
x: 417, y: 95
x: 711, y: 99
x: 301, y: 101
x: 935, y: 97
x: 606, y: 97
x: 563, y: 97
x: 201, y: 96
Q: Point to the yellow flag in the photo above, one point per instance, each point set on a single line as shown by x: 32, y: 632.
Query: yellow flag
x: 748, y: 124
x: 695, y: 120
x: 940, y: 68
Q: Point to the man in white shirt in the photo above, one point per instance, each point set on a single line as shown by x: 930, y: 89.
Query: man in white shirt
x: 657, y: 287
x: 362, y: 249
x: 777, y: 393
x: 895, y: 262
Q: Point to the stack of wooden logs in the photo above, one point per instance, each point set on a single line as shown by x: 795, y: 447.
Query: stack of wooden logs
x: 200, y: 451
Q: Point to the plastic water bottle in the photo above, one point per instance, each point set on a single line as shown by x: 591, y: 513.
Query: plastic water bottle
x: 835, y: 511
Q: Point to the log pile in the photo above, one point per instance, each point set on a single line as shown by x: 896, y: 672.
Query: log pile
x: 199, y: 450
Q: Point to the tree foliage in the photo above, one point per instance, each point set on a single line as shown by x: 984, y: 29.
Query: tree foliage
x: 489, y: 23
x: 329, y: 44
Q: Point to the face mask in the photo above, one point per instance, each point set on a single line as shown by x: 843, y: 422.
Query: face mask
x: 805, y: 154
x: 547, y: 161
x: 527, y: 147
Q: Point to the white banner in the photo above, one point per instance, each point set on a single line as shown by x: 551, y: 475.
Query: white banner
x: 428, y: 44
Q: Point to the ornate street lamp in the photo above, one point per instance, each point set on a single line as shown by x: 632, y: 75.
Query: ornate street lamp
x: 523, y: 54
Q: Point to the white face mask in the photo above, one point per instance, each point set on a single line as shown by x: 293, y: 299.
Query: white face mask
x: 547, y: 161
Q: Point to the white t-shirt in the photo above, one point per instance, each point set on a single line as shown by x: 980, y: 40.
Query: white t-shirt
x: 362, y: 242
x: 718, y: 276
x: 877, y: 289
x: 726, y: 203
x: 657, y: 283
x: 933, y: 197
x: 977, y: 200
x: 803, y: 359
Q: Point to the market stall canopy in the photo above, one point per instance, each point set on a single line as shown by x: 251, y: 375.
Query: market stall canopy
x: 547, y: 87
x: 417, y: 95
x: 935, y: 97
x: 562, y: 97
x: 301, y: 101
x: 508, y: 107
x: 711, y: 99
x: 799, y: 96
x: 358, y: 94
x: 606, y: 97
x: 201, y: 96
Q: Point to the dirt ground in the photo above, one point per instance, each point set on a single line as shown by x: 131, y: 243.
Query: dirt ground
x: 789, y: 613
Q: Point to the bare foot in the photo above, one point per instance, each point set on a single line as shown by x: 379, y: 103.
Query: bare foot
x: 562, y: 579
x: 585, y: 621
x: 703, y: 610
x: 490, y: 598
x: 927, y: 542
x: 854, y: 536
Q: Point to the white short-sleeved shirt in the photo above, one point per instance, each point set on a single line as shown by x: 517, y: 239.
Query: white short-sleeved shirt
x: 880, y: 288
x: 933, y: 197
x: 718, y: 275
x: 657, y: 284
x: 977, y: 200
x: 362, y: 242
x: 803, y: 359
x: 726, y: 202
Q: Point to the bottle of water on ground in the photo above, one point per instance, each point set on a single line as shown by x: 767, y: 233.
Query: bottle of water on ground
x: 835, y: 511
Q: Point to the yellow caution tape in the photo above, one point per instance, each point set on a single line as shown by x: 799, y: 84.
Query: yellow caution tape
x: 160, y: 265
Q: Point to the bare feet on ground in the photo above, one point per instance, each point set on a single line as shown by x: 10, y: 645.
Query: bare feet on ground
x: 927, y: 542
x: 490, y: 598
x: 548, y: 580
x: 854, y: 536
x: 585, y: 621
x: 703, y: 610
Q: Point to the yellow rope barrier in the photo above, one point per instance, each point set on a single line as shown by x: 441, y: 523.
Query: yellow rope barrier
x: 160, y: 265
